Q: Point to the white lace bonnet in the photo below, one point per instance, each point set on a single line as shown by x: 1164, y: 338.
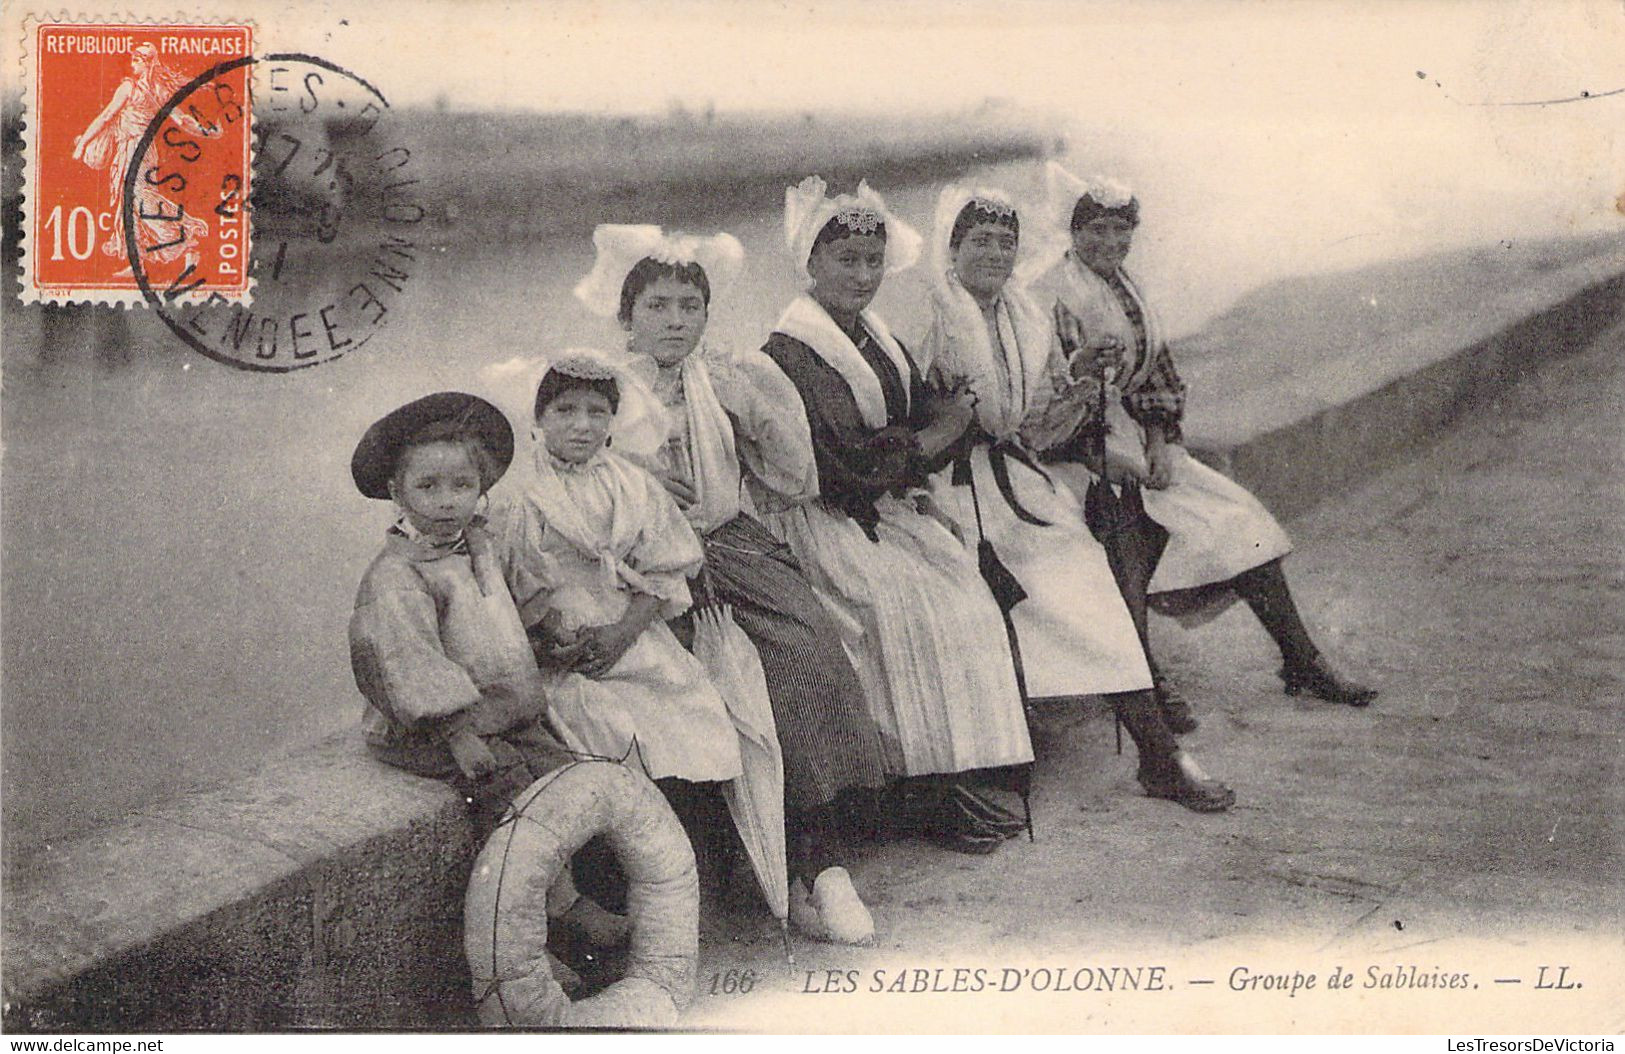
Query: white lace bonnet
x: 807, y: 210
x: 621, y: 246
x: 1062, y: 190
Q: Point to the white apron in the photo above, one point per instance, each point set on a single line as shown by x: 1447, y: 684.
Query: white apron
x: 1074, y: 631
x: 922, y: 631
x: 1216, y: 528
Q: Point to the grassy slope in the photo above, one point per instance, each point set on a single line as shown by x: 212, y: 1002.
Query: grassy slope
x: 1308, y: 314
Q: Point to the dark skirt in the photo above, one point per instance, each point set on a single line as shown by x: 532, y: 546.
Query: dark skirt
x: 828, y: 739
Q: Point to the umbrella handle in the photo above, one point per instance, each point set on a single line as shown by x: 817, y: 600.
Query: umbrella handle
x: 789, y: 955
x: 1100, y: 429
x: 706, y: 590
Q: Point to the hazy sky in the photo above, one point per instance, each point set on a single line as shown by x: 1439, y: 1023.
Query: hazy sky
x: 1150, y: 60
x: 1334, y: 83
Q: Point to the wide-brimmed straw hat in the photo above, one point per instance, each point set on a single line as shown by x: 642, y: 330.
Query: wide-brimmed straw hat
x: 373, y: 463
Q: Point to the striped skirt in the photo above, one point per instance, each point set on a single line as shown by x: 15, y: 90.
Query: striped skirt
x: 828, y: 739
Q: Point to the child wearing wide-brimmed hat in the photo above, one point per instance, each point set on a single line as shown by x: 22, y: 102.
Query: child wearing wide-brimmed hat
x: 452, y: 686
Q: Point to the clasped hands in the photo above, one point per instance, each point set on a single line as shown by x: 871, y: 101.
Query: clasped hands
x: 589, y: 650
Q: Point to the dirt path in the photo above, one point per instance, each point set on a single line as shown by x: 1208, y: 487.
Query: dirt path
x: 1473, y: 815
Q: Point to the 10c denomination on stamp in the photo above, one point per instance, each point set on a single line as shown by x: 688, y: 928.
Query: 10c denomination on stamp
x: 93, y: 90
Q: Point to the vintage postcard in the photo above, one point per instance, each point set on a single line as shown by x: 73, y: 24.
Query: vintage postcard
x: 950, y: 516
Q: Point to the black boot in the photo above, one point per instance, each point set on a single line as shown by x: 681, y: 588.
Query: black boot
x: 1160, y: 772
x: 1304, y: 671
x: 1317, y: 678
x: 1175, y: 709
x: 1165, y: 779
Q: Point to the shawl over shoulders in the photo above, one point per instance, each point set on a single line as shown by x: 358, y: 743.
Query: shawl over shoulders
x: 1151, y: 391
x: 647, y: 544
x: 856, y: 465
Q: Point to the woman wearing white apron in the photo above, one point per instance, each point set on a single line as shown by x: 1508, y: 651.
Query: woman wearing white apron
x: 1219, y: 538
x: 925, y: 635
x: 991, y: 346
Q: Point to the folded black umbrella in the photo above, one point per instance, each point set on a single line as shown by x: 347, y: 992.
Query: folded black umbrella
x: 1104, y: 509
x: 1001, y: 582
x: 1007, y: 593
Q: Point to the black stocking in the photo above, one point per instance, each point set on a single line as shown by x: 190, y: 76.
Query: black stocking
x: 1152, y: 738
x: 815, y: 842
x: 1265, y: 590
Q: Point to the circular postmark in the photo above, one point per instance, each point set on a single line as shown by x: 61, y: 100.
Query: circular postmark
x: 324, y: 223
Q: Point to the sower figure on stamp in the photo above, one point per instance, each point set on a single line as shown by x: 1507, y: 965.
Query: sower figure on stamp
x: 717, y: 411
x: 452, y: 686
x: 110, y: 141
x: 1220, y: 542
x: 993, y: 347
x: 927, y: 638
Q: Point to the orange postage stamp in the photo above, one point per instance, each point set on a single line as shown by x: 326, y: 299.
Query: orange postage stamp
x: 136, y: 162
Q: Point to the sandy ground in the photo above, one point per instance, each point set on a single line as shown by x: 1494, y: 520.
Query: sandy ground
x: 1468, y: 823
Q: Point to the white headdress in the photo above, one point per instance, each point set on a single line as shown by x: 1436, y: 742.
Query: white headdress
x: 1062, y: 190
x: 950, y: 203
x: 622, y: 246
x: 640, y: 424
x: 1061, y: 193
x: 807, y: 210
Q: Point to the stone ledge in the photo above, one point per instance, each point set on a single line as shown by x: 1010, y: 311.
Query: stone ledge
x: 324, y: 890
x: 1298, y: 430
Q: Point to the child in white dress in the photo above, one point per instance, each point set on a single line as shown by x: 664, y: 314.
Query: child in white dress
x: 597, y: 556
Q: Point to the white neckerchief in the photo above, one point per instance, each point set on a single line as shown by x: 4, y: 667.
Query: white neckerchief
x: 631, y: 513
x: 1026, y: 335
x: 805, y: 320
x: 713, y: 455
x: 711, y: 448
